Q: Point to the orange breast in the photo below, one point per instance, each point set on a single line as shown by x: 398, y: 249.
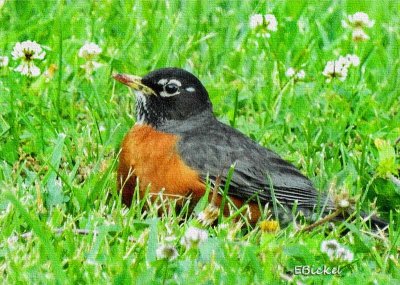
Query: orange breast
x: 152, y: 157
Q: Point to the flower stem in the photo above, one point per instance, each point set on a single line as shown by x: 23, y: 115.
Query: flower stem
x: 165, y: 272
x: 326, y: 219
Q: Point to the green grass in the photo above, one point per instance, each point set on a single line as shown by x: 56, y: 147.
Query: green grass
x: 59, y: 140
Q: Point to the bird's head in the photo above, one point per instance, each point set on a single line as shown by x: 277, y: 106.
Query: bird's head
x: 167, y: 94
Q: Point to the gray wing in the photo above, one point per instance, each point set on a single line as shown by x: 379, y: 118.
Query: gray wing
x: 212, y: 147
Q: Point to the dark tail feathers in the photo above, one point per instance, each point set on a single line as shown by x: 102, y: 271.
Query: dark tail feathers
x: 375, y: 221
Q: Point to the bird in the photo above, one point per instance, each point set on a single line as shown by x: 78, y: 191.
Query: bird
x: 177, y: 144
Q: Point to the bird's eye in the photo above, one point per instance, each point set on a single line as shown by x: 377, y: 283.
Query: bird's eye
x: 171, y: 88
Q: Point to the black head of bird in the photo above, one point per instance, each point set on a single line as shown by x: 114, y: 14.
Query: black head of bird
x: 167, y: 94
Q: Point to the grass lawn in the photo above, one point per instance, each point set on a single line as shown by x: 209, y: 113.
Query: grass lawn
x: 61, y: 217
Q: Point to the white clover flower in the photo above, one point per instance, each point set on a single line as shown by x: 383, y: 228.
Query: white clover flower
x: 256, y: 20
x: 89, y: 50
x: 335, y: 69
x: 193, y: 237
x: 2, y: 3
x: 345, y: 24
x: 263, y: 35
x: 339, y: 68
x: 302, y: 25
x: 330, y: 247
x: 358, y: 22
x: 343, y: 62
x: 290, y: 72
x: 360, y: 19
x: 4, y: 61
x: 27, y: 52
x: 353, y: 59
x: 90, y: 66
x: 344, y: 254
x: 28, y: 69
x: 297, y: 75
x: 335, y: 251
x: 263, y: 24
x: 167, y: 252
x: 272, y: 23
x: 358, y: 35
x: 301, y: 74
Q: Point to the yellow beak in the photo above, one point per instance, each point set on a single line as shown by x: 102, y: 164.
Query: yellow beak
x: 134, y: 82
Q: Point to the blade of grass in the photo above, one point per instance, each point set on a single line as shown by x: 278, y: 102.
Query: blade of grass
x: 55, y: 193
x: 225, y: 192
x: 60, y: 58
x: 153, y: 240
x: 43, y: 234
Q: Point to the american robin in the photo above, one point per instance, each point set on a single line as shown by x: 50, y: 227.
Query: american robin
x: 177, y: 143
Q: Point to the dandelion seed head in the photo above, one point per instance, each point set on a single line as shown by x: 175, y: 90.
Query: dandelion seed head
x: 193, y: 237
x: 167, y: 252
x: 344, y: 203
x: 208, y: 215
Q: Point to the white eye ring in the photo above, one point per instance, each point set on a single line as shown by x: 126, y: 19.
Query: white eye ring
x: 174, y: 81
x: 170, y: 88
x: 162, y: 81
